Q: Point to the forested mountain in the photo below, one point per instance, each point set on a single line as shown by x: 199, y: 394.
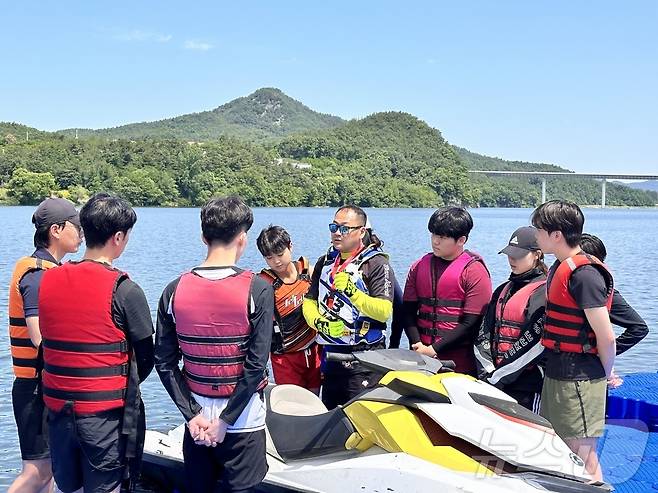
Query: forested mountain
x: 274, y: 151
x: 263, y: 115
x: 650, y: 185
x: 11, y: 133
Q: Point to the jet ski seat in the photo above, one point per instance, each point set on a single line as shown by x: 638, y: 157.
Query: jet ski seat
x: 300, y: 426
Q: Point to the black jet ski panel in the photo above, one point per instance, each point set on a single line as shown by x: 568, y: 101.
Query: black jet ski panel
x: 511, y: 410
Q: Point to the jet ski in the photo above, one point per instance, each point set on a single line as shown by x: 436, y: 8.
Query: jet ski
x: 422, y: 428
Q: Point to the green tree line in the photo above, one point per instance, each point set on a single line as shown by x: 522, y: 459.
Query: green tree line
x: 385, y: 160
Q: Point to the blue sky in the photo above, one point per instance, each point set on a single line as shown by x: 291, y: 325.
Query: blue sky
x: 570, y: 83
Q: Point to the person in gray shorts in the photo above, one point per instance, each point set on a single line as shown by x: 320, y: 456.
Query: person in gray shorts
x: 577, y: 332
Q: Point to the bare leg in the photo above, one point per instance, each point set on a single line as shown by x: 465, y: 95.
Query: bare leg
x: 585, y: 448
x: 35, y: 477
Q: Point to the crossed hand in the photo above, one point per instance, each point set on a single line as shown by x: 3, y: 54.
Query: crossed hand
x: 205, y: 432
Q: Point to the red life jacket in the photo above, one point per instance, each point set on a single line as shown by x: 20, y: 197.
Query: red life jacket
x: 511, y: 315
x: 441, y: 305
x: 566, y: 328
x: 85, y: 354
x: 293, y: 332
x: 213, y: 329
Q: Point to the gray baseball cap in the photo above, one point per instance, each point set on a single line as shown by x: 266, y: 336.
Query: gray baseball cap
x: 55, y: 211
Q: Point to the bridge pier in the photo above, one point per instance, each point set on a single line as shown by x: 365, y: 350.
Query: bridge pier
x: 603, y: 182
x: 543, y: 190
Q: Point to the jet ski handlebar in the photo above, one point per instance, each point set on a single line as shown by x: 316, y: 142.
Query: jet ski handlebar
x: 340, y: 357
x: 384, y: 360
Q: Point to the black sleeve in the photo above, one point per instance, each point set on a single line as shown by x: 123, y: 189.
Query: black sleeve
x: 131, y: 312
x: 29, y: 289
x: 486, y: 329
x: 465, y: 332
x: 588, y: 287
x: 168, y: 355
x: 144, y: 357
x: 397, y: 325
x: 379, y: 278
x: 258, y: 351
x: 410, y: 311
x: 314, y: 288
x: 623, y: 315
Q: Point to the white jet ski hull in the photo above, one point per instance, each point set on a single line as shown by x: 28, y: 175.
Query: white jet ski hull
x: 369, y: 472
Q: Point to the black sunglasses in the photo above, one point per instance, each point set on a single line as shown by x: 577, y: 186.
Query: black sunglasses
x: 342, y: 228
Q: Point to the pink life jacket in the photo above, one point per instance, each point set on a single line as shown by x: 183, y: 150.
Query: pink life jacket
x: 511, y: 315
x: 213, y: 329
x: 441, y: 305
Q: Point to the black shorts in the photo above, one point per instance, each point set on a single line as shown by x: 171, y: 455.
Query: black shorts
x: 87, y: 451
x: 238, y: 462
x: 30, y: 414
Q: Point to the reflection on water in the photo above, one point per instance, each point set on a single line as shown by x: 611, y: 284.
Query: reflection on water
x: 166, y: 242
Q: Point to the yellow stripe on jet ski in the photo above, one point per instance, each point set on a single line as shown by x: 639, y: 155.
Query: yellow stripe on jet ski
x: 396, y: 429
x: 416, y: 379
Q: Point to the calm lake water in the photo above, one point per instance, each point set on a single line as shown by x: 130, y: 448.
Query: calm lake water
x: 166, y: 242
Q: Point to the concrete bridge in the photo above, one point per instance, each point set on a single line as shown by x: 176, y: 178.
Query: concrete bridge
x: 604, y: 177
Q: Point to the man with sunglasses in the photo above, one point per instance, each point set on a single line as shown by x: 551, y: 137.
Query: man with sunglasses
x: 57, y: 233
x: 349, y: 302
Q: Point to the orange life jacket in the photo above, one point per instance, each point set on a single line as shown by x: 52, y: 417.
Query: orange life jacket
x: 25, y: 356
x: 291, y: 332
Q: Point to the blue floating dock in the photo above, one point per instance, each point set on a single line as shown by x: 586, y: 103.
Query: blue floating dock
x: 628, y: 450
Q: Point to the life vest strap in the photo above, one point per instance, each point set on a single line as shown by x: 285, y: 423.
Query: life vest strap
x: 213, y: 340
x: 432, y: 332
x: 563, y: 324
x: 438, y: 317
x: 440, y: 302
x: 215, y: 360
x: 211, y: 380
x: 510, y: 323
x: 106, y: 371
x: 80, y: 347
x: 98, y: 395
x: 563, y: 309
x: 17, y: 321
x: 25, y: 362
x: 570, y: 347
x: 21, y: 342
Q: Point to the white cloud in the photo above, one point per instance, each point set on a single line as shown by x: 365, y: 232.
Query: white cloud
x: 197, y: 45
x: 139, y: 35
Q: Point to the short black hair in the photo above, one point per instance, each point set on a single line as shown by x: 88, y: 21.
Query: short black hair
x: 563, y: 216
x: 42, y: 235
x: 357, y: 210
x: 224, y: 218
x: 453, y: 222
x: 273, y: 240
x: 104, y: 215
x: 594, y: 246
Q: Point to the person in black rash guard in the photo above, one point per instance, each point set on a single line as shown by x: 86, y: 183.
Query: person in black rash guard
x: 621, y: 313
x: 508, y: 345
x: 96, y: 440
x: 219, y: 319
